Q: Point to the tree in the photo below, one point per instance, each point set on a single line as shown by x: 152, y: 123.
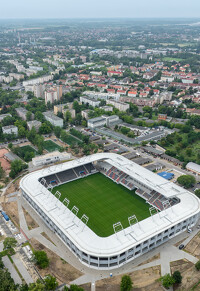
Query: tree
x: 2, y: 172
x: 7, y: 282
x: 21, y: 131
x: 126, y: 283
x: 57, y: 131
x: 76, y: 106
x: 16, y: 167
x: 10, y: 145
x: 50, y: 283
x: 9, y: 243
x: 38, y: 286
x: 167, y: 281
x: 197, y: 265
x: 186, y: 180
x: 1, y: 263
x: 177, y: 277
x: 28, y: 116
x: 41, y: 259
x: 74, y: 287
x: 45, y: 128
x: 28, y: 156
x: 197, y: 193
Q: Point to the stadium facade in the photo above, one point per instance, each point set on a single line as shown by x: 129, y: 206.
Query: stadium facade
x: 172, y: 209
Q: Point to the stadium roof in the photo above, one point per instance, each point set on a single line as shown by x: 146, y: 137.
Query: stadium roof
x: 82, y: 236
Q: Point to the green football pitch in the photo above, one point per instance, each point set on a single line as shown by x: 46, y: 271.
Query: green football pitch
x: 51, y: 146
x: 104, y: 202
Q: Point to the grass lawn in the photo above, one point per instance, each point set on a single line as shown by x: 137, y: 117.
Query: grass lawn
x: 27, y: 148
x: 71, y: 140
x: 51, y: 146
x: 104, y: 202
x: 171, y: 59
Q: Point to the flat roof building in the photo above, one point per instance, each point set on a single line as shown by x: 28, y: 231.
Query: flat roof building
x: 10, y: 129
x: 194, y: 168
x: 21, y: 112
x: 53, y: 119
x: 34, y: 123
x: 50, y: 158
x: 90, y: 101
x: 2, y: 116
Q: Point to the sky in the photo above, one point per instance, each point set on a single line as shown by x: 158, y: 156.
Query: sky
x: 99, y: 8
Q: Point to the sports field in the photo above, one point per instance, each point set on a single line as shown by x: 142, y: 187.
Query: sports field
x: 51, y: 146
x: 104, y: 202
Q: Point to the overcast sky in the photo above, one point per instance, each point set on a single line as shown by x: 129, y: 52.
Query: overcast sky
x: 98, y: 8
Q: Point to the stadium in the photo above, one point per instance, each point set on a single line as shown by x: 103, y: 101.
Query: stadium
x: 107, y: 209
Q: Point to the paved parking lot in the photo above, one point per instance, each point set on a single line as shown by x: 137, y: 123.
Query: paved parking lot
x: 11, y: 269
x: 23, y: 271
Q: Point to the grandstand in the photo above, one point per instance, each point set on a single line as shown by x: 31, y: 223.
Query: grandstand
x: 171, y: 209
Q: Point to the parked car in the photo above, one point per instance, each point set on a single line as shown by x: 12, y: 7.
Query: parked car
x: 181, y: 247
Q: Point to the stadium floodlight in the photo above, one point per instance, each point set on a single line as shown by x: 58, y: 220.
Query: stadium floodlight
x: 132, y: 220
x: 153, y: 211
x: 50, y: 187
x: 84, y: 219
x: 74, y: 210
x: 57, y: 194
x: 166, y: 204
x: 66, y: 203
x: 117, y: 227
x: 43, y: 181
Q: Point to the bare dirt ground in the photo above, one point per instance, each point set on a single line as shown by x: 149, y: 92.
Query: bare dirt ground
x: 4, y: 163
x: 58, y: 268
x: 156, y: 257
x: 46, y: 236
x: 193, y: 247
x: 143, y: 280
x: 189, y: 273
x: 11, y: 208
x: 30, y: 221
x: 13, y: 187
x: 179, y: 242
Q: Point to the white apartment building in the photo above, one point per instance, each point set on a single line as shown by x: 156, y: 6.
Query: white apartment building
x: 102, y: 96
x: 96, y: 122
x: 102, y: 120
x: 18, y: 77
x: 51, y: 95
x: 107, y: 108
x: 84, y: 113
x: 40, y: 80
x: 22, y: 112
x: 119, y: 105
x: 90, y: 101
x: 34, y: 123
x: 53, y: 119
x: 10, y: 129
x: 2, y: 116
